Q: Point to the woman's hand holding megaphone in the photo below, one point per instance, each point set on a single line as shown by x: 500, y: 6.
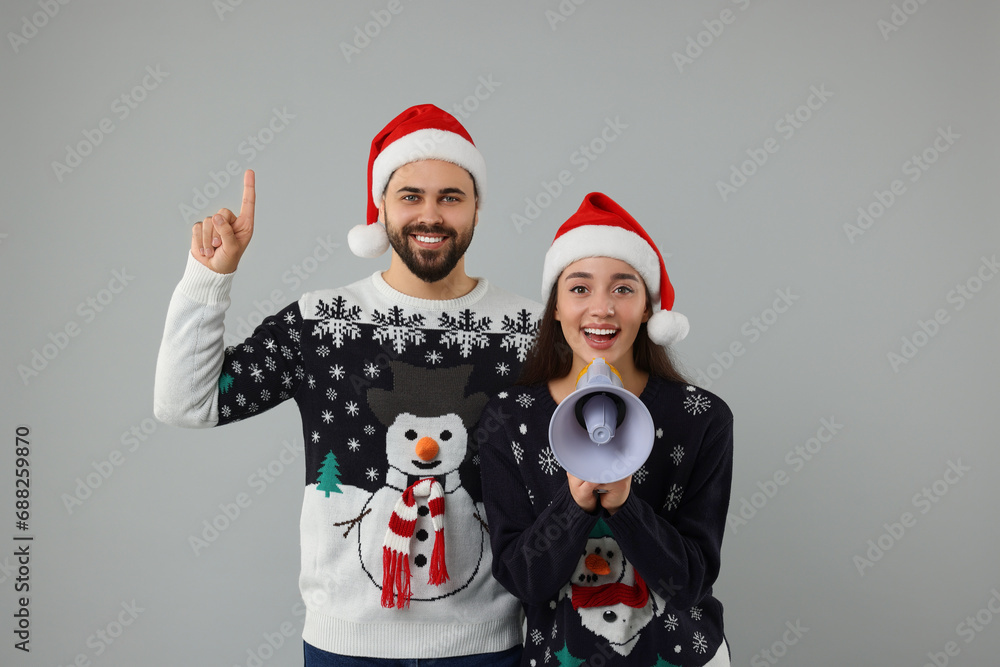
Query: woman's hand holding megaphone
x: 589, y: 495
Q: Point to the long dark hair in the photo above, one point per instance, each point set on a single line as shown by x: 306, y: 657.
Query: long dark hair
x: 551, y: 357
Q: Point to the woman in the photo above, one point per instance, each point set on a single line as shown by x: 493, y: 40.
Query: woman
x: 615, y: 573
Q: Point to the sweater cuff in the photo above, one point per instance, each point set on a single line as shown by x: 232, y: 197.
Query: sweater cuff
x: 628, y: 519
x: 574, y: 518
x: 203, y: 285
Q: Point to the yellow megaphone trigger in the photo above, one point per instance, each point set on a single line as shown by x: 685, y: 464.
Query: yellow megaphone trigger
x: 584, y: 371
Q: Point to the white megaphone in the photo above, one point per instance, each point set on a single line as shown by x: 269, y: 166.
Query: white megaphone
x: 601, y: 432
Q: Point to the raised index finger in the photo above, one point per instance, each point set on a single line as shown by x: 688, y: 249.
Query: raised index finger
x: 249, y: 195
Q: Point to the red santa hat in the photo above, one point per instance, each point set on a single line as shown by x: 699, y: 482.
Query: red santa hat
x: 422, y: 132
x: 602, y: 228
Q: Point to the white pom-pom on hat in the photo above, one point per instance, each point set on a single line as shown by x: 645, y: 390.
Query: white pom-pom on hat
x: 369, y: 240
x: 666, y: 327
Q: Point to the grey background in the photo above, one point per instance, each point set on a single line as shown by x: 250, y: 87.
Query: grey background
x: 553, y: 87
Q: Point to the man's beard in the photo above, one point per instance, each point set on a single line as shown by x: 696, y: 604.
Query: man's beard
x: 429, y: 265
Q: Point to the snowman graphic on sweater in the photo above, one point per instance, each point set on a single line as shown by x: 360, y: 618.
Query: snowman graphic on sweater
x: 423, y: 536
x: 612, y: 599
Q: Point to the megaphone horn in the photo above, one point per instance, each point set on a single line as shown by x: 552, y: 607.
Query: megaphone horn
x: 601, y: 432
x: 593, y: 413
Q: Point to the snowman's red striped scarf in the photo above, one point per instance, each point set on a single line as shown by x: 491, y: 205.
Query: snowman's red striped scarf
x: 396, y: 546
x: 610, y: 594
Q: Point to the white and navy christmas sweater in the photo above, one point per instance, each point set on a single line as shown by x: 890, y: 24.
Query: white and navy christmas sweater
x: 633, y: 588
x: 377, y: 376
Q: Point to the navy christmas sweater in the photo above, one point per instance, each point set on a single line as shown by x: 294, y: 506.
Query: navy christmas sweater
x: 633, y: 588
x: 389, y: 388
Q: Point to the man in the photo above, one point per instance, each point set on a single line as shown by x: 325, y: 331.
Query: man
x: 390, y: 374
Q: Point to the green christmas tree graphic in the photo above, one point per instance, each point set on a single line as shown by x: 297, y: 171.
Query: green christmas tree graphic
x: 567, y: 659
x: 660, y: 662
x: 328, y: 475
x: 225, y: 382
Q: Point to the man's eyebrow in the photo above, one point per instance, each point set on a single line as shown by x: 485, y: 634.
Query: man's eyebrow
x: 420, y: 191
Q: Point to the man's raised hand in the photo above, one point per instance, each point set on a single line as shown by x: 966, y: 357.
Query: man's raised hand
x: 220, y: 240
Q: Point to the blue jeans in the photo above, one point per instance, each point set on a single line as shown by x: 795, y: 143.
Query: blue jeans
x: 318, y: 658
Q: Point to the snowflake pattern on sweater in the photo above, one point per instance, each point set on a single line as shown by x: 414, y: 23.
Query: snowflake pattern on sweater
x: 347, y: 342
x: 640, y: 591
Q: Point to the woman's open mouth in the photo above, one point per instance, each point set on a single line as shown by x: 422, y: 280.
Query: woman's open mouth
x: 600, y: 335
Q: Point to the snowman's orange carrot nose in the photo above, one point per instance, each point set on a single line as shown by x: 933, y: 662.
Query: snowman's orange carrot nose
x: 597, y: 565
x: 426, y: 449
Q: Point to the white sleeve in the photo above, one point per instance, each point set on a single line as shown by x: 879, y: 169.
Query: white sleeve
x: 186, y: 388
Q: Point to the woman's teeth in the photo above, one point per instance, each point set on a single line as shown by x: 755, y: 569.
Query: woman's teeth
x: 600, y: 332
